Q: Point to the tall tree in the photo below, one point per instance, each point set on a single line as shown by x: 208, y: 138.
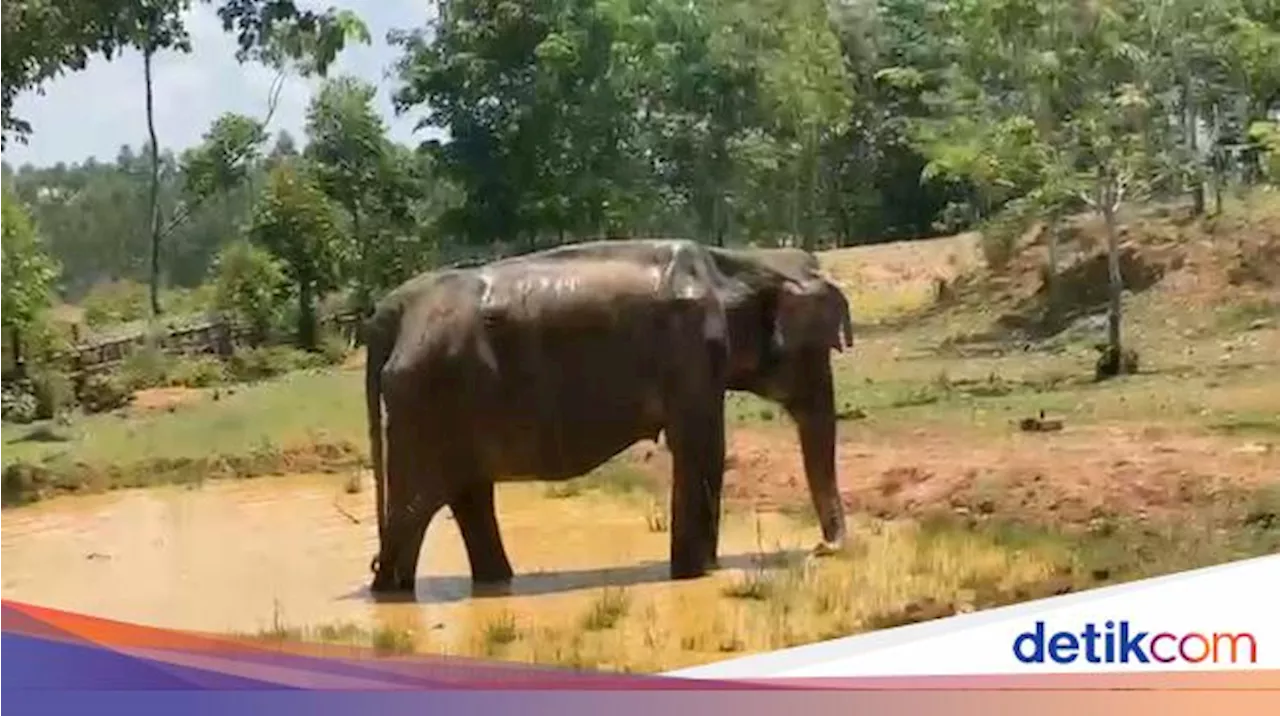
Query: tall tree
x: 296, y: 223
x: 348, y: 149
x: 29, y: 274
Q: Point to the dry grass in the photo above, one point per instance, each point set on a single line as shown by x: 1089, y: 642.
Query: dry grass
x: 898, y: 568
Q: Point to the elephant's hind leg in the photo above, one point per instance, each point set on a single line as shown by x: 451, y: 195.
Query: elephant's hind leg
x: 473, y: 508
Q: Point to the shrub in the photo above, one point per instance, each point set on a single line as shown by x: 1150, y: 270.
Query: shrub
x: 146, y: 368
x: 103, y: 392
x: 115, y: 302
x: 197, y: 372
x: 333, y: 348
x: 249, y: 284
x: 53, y: 391
x: 18, y: 403
x: 267, y: 362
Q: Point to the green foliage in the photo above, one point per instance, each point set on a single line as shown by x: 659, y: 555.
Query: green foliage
x: 224, y: 160
x: 104, y: 392
x: 115, y: 302
x: 249, y: 285
x: 197, y: 372
x: 44, y: 39
x: 350, y: 155
x: 18, y: 403
x: 333, y: 348
x: 28, y: 273
x: 1267, y: 136
x: 255, y: 364
x: 146, y: 367
x: 296, y: 223
x: 53, y: 391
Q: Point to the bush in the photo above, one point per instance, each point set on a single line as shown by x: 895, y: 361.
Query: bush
x: 18, y: 403
x: 333, y: 348
x: 53, y: 391
x: 146, y: 368
x: 198, y: 372
x: 115, y: 302
x: 249, y: 284
x: 103, y: 392
x: 254, y: 364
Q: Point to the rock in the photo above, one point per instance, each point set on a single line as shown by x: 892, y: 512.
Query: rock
x: 1260, y: 323
x: 1041, y: 424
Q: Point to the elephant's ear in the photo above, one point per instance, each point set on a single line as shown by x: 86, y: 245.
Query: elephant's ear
x: 810, y: 314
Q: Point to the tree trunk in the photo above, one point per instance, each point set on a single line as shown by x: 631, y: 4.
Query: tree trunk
x: 1189, y: 127
x: 19, y: 359
x: 364, y: 285
x: 1115, y: 284
x: 1052, y: 287
x: 153, y: 199
x: 306, y: 315
x: 1219, y: 163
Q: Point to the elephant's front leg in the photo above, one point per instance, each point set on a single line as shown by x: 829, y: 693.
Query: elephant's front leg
x: 477, y: 519
x: 696, y: 438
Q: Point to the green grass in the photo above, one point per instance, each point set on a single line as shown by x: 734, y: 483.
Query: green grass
x: 300, y: 408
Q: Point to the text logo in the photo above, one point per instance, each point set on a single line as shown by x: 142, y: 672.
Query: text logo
x: 1117, y: 642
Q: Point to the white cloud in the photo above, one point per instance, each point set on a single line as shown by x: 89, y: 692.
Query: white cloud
x: 95, y: 111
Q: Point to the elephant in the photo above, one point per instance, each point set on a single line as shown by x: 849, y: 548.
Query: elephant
x: 544, y: 366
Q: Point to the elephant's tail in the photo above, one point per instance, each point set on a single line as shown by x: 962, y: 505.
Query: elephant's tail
x: 378, y: 347
x: 846, y: 319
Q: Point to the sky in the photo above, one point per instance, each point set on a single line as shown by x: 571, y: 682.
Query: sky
x: 95, y: 111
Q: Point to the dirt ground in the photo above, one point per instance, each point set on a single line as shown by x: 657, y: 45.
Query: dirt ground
x: 1061, y: 478
x: 166, y: 398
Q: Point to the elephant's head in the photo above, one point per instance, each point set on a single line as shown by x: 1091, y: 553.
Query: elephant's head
x: 785, y: 317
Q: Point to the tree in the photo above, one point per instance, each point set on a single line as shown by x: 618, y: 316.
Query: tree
x: 225, y: 159
x: 1085, y: 99
x: 248, y: 284
x: 156, y: 26
x: 29, y: 275
x: 43, y: 39
x: 348, y: 151
x: 296, y: 223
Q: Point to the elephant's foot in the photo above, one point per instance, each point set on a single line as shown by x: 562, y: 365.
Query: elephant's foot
x: 493, y: 574
x: 490, y: 589
x: 827, y: 548
x: 389, y: 580
x: 386, y: 583
x: 684, y: 569
x: 694, y: 565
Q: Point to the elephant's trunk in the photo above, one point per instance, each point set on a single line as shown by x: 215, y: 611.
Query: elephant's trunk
x: 813, y: 409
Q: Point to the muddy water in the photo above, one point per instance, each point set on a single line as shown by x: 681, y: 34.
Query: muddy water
x: 244, y: 555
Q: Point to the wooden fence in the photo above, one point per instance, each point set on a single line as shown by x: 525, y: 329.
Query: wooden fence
x: 212, y: 336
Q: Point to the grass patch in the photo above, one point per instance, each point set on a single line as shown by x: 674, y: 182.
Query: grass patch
x: 383, y: 640
x: 754, y: 584
x: 621, y: 479
x: 563, y: 490
x: 499, y: 632
x: 607, y: 610
x: 1248, y: 425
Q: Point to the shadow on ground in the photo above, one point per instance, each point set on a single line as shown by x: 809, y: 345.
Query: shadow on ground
x: 444, y: 589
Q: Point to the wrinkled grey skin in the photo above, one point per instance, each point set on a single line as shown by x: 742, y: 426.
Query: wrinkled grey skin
x: 546, y: 365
